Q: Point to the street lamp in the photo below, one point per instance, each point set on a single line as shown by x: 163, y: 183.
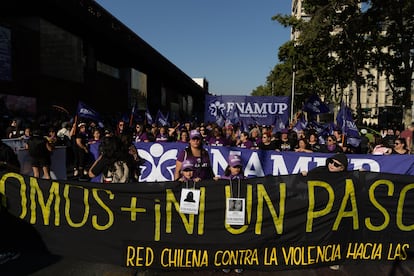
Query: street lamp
x: 293, y: 92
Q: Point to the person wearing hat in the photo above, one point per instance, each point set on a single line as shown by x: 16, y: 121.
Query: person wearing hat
x: 234, y: 170
x: 187, y: 172
x: 197, y: 155
x: 335, y: 163
x: 285, y: 143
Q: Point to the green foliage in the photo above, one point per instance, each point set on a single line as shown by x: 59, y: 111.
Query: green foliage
x: 392, y: 30
x: 339, y: 43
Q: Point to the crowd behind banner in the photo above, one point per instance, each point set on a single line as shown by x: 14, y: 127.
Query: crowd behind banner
x: 159, y: 161
x: 83, y: 134
x: 289, y: 222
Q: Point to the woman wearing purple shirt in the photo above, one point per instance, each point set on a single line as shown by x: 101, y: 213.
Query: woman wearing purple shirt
x: 244, y: 141
x: 197, y: 155
x: 162, y: 135
x: 139, y: 134
x: 217, y: 138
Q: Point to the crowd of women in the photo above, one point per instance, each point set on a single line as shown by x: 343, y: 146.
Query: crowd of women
x: 117, y: 142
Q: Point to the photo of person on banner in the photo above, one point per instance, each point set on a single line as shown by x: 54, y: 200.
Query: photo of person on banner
x: 235, y: 205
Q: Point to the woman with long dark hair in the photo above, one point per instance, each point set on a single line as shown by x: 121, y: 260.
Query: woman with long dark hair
x: 112, y: 162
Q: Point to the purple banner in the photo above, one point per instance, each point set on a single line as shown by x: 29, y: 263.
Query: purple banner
x: 160, y: 161
x: 247, y: 110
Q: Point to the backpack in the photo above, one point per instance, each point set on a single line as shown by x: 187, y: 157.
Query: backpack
x: 119, y: 173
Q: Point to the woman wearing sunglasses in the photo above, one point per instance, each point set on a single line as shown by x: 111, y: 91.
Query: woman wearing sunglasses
x: 331, y: 145
x: 400, y: 147
x: 336, y: 163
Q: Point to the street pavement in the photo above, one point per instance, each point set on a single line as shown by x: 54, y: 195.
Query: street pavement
x: 42, y: 264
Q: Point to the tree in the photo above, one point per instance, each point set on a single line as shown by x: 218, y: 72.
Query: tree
x: 342, y: 42
x: 392, y: 32
x: 304, y: 56
x: 331, y: 50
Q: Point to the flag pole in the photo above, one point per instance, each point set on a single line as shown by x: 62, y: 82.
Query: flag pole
x: 293, y: 92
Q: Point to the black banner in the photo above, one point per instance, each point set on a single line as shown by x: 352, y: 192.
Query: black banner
x: 290, y: 221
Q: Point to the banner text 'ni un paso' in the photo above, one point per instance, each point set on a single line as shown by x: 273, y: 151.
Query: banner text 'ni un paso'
x: 290, y: 221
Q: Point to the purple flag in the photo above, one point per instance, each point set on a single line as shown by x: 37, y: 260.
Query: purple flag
x: 148, y: 117
x: 86, y: 112
x: 301, y: 124
x: 161, y: 119
x: 234, y: 116
x: 220, y: 118
x: 314, y: 105
x: 345, y: 121
x: 278, y: 125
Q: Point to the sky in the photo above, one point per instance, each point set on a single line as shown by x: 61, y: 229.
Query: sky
x: 231, y: 43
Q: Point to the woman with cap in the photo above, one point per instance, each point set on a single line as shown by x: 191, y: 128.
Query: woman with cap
x: 234, y: 171
x: 285, y: 143
x: 335, y: 163
x: 187, y: 172
x: 197, y: 155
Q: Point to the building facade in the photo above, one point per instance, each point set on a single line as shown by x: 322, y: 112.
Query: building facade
x: 60, y: 52
x: 376, y: 99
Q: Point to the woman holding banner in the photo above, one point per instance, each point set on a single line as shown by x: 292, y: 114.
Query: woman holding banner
x: 334, y: 164
x: 198, y: 155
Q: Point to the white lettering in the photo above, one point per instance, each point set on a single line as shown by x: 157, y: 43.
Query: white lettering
x: 374, y: 166
x: 279, y: 165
